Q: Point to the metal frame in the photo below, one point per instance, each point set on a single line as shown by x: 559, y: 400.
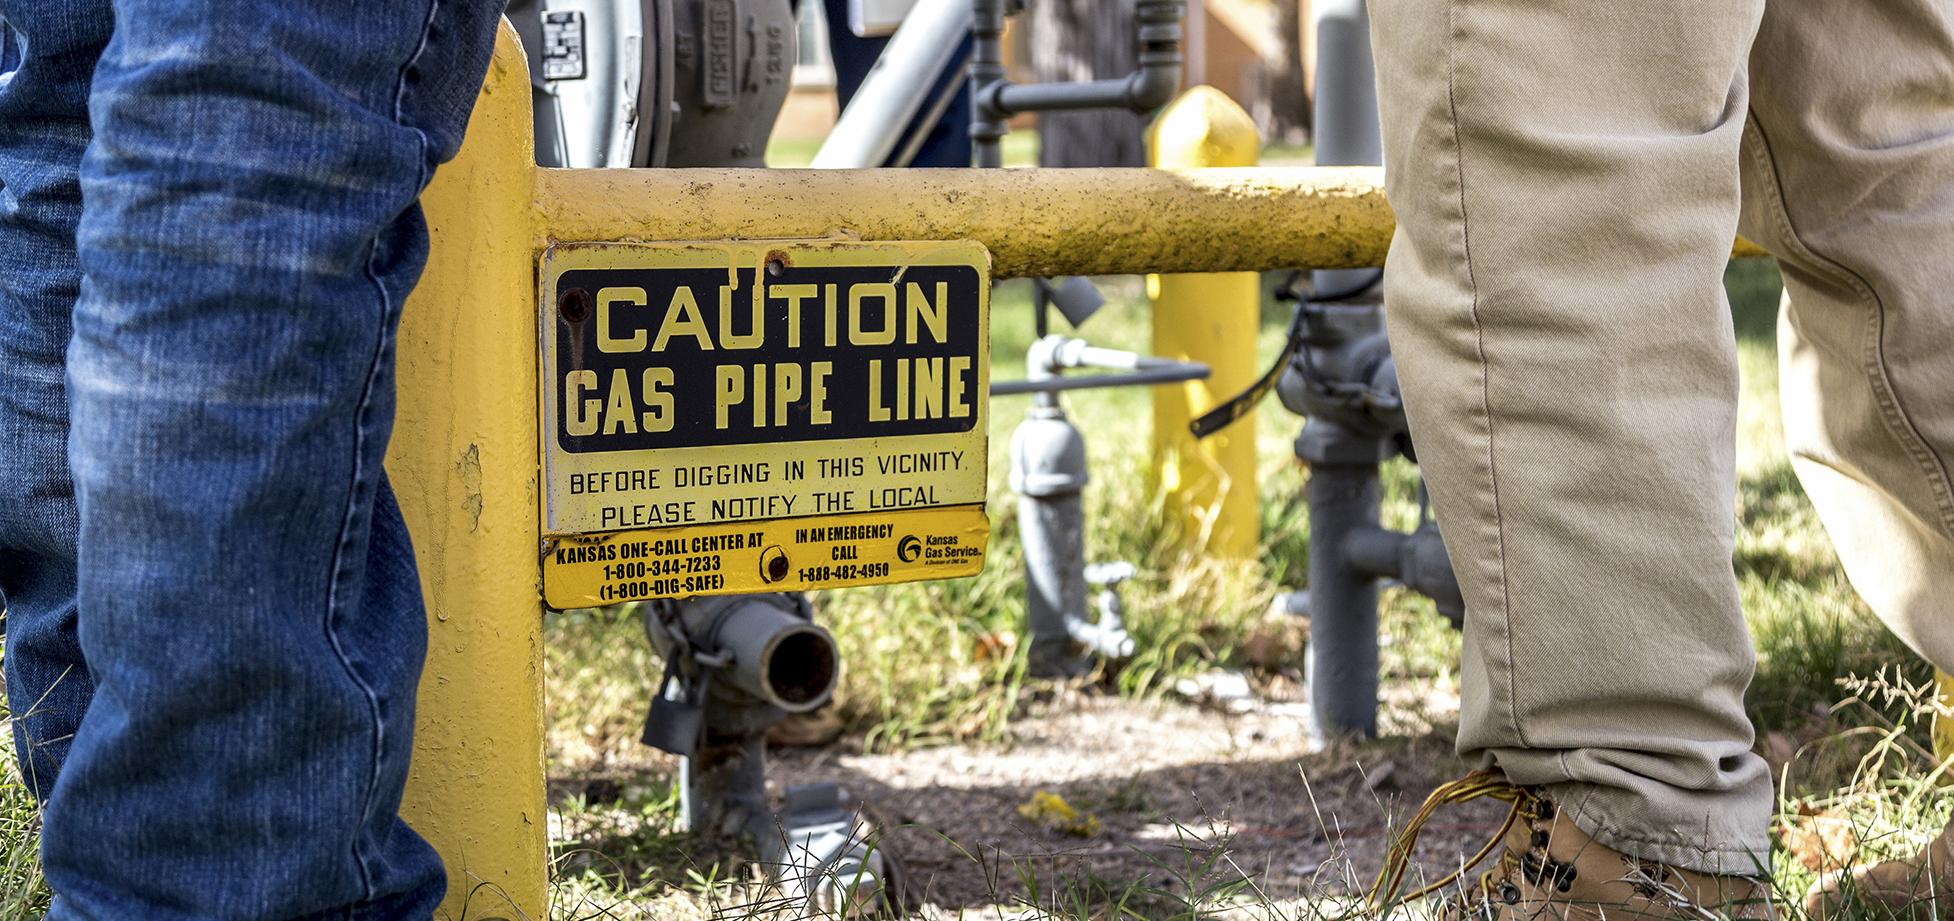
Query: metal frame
x: 995, y: 98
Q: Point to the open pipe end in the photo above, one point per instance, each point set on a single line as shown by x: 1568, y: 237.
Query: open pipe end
x: 800, y: 668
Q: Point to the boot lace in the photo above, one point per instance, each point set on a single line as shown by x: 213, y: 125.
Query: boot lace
x: 1384, y: 895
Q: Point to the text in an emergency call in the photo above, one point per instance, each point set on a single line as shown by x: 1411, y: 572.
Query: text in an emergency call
x: 683, y: 357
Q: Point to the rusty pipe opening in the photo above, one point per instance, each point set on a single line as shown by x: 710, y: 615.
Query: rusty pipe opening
x: 777, y: 657
x: 802, y: 669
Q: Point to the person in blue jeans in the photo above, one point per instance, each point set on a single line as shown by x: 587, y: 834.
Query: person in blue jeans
x: 214, y: 631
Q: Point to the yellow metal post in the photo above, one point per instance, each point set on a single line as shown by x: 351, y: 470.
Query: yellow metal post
x: 1944, y: 717
x: 463, y: 461
x: 1211, y: 319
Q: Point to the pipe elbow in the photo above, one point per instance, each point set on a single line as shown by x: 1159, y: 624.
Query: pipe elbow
x: 990, y: 98
x: 1152, y: 86
x: 1159, y: 75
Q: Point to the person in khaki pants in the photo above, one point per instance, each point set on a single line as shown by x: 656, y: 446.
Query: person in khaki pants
x: 1568, y: 177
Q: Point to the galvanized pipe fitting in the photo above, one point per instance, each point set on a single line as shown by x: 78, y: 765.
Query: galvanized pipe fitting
x: 1050, y: 355
x: 995, y: 99
x: 766, y: 647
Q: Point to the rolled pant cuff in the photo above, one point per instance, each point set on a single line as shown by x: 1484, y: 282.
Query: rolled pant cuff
x: 1621, y: 820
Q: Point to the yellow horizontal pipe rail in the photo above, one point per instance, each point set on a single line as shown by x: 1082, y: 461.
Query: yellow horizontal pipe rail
x: 1036, y: 222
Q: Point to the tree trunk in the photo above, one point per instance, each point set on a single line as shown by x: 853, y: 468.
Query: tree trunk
x: 1288, y: 87
x: 1075, y: 40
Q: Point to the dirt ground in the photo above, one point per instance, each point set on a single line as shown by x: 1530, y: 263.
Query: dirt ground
x: 1199, y: 801
x: 1192, y: 799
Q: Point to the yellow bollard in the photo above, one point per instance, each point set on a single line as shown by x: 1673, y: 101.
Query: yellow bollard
x: 463, y: 461
x: 1944, y: 717
x: 1211, y: 319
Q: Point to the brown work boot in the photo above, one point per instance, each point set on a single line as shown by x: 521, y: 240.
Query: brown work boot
x: 1920, y: 887
x: 1551, y: 870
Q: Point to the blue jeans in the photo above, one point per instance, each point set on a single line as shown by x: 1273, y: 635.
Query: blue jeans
x: 208, y: 223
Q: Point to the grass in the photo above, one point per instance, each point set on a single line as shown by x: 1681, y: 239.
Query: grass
x: 939, y: 662
x: 23, y: 893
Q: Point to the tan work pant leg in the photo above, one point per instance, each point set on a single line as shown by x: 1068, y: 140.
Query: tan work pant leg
x: 1849, y: 180
x: 1565, y: 175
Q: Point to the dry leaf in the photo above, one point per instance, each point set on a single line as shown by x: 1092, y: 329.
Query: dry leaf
x: 1821, y: 841
x: 1052, y: 811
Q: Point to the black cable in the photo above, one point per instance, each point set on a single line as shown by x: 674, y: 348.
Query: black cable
x: 1234, y: 408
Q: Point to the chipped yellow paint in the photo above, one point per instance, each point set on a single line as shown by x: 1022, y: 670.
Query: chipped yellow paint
x: 1034, y: 221
x: 463, y: 460
x: 1944, y: 717
x: 469, y: 469
x: 1212, y: 319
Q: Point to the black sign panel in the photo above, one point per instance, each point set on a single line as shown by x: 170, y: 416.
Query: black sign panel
x: 651, y: 358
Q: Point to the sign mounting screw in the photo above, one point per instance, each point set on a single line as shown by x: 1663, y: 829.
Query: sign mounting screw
x: 573, y: 305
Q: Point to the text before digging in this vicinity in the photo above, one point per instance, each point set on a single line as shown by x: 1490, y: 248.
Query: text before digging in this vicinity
x: 838, y: 485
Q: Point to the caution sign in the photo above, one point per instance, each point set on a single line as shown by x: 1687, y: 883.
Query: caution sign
x: 761, y: 416
x: 767, y: 556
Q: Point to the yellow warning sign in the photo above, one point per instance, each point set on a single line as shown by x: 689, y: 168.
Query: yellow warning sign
x: 766, y: 556
x: 707, y: 401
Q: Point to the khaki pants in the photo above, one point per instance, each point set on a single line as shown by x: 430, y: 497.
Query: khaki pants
x: 1568, y: 176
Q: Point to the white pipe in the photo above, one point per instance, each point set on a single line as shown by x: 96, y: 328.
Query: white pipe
x: 898, y: 86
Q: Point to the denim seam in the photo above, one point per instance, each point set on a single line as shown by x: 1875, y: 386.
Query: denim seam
x: 1873, y: 359
x: 370, y: 798
x: 1485, y: 370
x: 400, y: 81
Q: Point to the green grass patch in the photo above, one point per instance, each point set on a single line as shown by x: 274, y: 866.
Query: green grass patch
x: 23, y: 891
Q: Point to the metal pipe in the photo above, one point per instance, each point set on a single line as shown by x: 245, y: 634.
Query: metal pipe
x: 1374, y: 551
x: 1346, y: 130
x: 1104, y: 639
x: 890, y: 97
x: 1034, y: 221
x: 995, y: 99
x: 777, y: 657
x: 723, y: 785
x: 986, y: 70
x: 1049, y: 473
x: 1149, y: 87
x: 1173, y: 375
x: 1050, y: 356
x: 1008, y: 99
x: 1342, y: 659
x: 1416, y: 560
x: 763, y: 645
x: 1425, y: 567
